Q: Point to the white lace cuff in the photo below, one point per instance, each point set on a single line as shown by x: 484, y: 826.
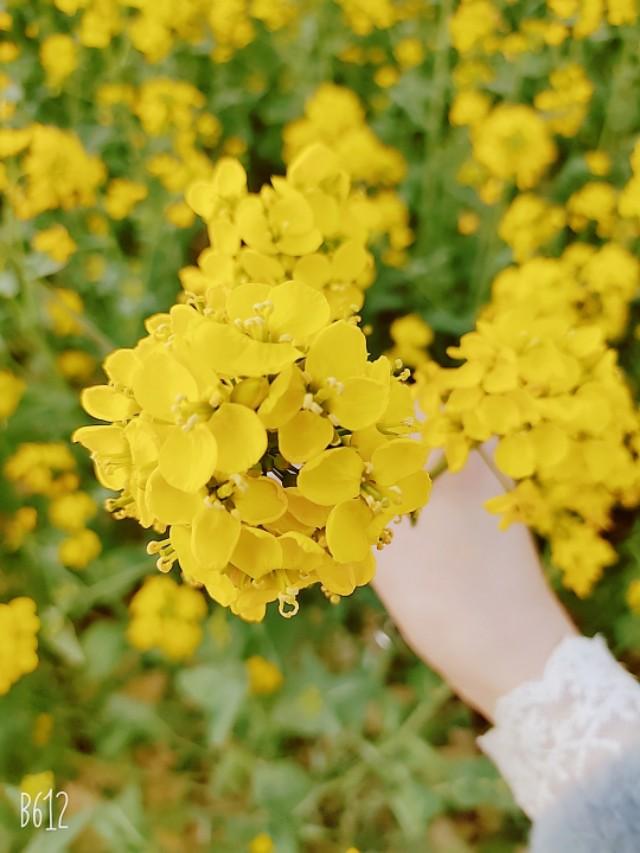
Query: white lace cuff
x: 551, y: 734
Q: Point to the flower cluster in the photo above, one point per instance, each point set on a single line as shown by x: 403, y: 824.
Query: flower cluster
x: 166, y: 616
x: 49, y: 470
x: 335, y: 117
x: 250, y: 424
x: 538, y: 375
x: 365, y: 16
x: 584, y: 17
x: 11, y: 391
x: 302, y: 228
x: 55, y: 169
x: 19, y: 627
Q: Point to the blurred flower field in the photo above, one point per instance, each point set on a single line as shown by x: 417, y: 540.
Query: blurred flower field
x: 456, y: 189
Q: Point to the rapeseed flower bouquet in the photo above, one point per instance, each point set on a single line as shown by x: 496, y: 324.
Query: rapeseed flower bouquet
x: 250, y: 427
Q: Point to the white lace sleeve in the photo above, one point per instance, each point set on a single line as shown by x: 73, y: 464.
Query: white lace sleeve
x: 551, y: 734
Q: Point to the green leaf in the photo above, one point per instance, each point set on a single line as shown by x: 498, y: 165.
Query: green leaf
x: 220, y: 691
x: 280, y: 785
x: 103, y: 644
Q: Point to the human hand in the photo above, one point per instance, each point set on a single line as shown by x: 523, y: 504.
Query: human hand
x: 470, y: 599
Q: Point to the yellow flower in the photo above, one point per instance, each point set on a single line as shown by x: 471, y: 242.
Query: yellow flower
x: 42, y: 469
x: 166, y: 616
x: 529, y: 223
x: 633, y: 596
x: 599, y: 162
x: 469, y: 107
x: 262, y: 843
x: 468, y: 222
x: 409, y: 52
x: 71, y: 512
x: 11, y: 391
x: 538, y: 374
x: 19, y: 626
x: 42, y: 729
x: 411, y: 336
x: 581, y: 554
x: 122, y: 196
x: 16, y: 528
x: 37, y: 783
x: 179, y: 214
x: 335, y: 116
x: 364, y: 16
x: 76, y: 365
x: 57, y: 173
x: 264, y: 677
x: 8, y: 51
x: 472, y: 23
x: 79, y: 549
x: 386, y: 76
x: 55, y: 242
x: 565, y: 103
x: 64, y: 307
x: 513, y: 143
x: 59, y: 58
x: 595, y: 202
x: 251, y: 426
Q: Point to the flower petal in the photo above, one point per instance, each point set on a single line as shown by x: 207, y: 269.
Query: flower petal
x: 214, y: 535
x: 257, y: 552
x: 347, y: 525
x: 339, y: 351
x: 304, y: 436
x: 298, y: 311
x: 107, y: 404
x: 159, y: 382
x: 170, y: 505
x: 285, y: 397
x: 261, y: 501
x: 332, y: 476
x: 231, y: 353
x: 360, y: 403
x: 240, y: 436
x: 188, y: 458
x: 397, y: 459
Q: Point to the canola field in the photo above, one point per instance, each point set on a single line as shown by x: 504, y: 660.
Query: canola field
x: 258, y: 259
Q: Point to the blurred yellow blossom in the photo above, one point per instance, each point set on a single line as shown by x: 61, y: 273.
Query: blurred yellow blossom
x: 122, y: 196
x: 37, y: 783
x: 529, y: 223
x: 167, y: 616
x: 43, y: 728
x: 76, y: 365
x: 262, y: 843
x: 16, y: 527
x: 56, y: 242
x: 513, y: 143
x: 468, y: 222
x: 633, y: 596
x: 565, y: 103
x: 41, y: 468
x: 264, y: 676
x: 599, y: 162
x: 409, y: 52
x: 19, y: 627
x: 64, y: 307
x: 11, y: 390
x: 79, y: 549
x: 59, y: 58
x: 72, y: 511
x: 411, y: 336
